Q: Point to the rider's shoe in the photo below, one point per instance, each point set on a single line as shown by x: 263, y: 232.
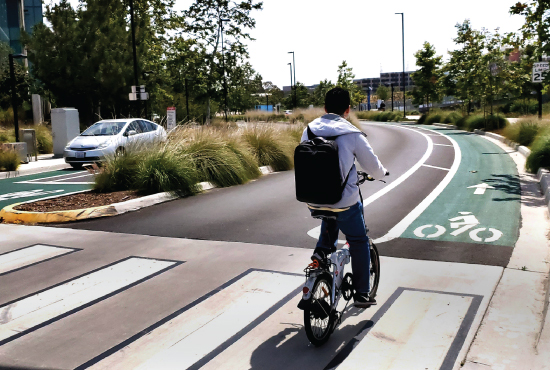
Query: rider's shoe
x: 320, y: 254
x: 363, y: 300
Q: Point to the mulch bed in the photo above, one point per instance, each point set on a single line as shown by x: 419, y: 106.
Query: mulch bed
x: 78, y: 201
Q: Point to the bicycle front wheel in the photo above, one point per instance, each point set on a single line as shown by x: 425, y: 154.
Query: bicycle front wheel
x: 318, y: 317
x: 374, y: 270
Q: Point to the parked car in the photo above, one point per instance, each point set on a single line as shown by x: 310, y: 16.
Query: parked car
x: 288, y: 112
x: 110, y: 137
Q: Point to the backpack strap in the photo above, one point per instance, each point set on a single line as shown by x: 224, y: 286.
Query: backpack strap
x: 347, y: 177
x: 310, y: 134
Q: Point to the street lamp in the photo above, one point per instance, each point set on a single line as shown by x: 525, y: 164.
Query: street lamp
x: 223, y: 66
x: 294, y: 64
x: 136, y: 81
x: 13, y: 93
x: 403, y: 83
x: 290, y: 64
x: 392, y: 96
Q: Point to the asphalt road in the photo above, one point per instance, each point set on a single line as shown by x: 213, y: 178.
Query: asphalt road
x: 265, y: 211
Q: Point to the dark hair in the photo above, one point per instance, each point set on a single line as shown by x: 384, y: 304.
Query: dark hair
x: 337, y: 101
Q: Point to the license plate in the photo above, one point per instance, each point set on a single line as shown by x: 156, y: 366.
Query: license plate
x: 80, y: 154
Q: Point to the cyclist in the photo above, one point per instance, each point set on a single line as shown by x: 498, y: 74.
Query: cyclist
x: 348, y: 212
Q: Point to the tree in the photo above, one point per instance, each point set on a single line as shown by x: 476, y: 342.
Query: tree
x: 345, y: 81
x: 426, y: 78
x: 277, y: 94
x: 302, y: 97
x: 382, y: 92
x: 22, y: 79
x: 318, y: 96
x: 204, y: 22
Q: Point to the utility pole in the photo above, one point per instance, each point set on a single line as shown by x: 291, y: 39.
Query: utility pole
x: 14, y: 104
x: 294, y: 64
x: 136, y: 81
x: 223, y: 66
x: 290, y: 64
x: 403, y: 82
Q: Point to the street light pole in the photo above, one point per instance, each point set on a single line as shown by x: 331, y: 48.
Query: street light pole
x: 392, y: 97
x: 136, y: 81
x: 11, y: 57
x: 223, y: 66
x: 294, y: 64
x: 290, y: 64
x: 403, y: 83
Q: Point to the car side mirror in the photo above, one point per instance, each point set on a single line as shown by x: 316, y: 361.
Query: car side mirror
x: 130, y: 133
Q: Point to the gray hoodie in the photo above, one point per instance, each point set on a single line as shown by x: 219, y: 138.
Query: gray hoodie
x: 352, y: 144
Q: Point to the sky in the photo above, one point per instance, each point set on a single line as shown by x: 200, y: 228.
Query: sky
x: 365, y: 33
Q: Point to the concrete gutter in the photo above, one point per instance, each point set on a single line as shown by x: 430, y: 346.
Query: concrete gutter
x: 11, y: 215
x: 444, y: 125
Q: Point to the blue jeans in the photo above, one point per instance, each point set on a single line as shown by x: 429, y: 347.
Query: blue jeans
x: 352, y: 224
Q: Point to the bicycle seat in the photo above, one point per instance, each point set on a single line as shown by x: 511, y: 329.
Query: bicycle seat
x: 320, y: 214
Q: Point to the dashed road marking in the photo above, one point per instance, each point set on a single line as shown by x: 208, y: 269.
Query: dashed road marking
x: 24, y: 257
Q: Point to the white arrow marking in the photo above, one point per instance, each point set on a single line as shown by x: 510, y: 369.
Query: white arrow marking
x: 480, y: 188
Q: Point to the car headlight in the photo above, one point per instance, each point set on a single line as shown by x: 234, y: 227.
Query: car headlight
x: 104, y: 145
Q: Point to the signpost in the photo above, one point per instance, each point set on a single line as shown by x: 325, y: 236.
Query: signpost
x: 170, y: 118
x: 540, y: 70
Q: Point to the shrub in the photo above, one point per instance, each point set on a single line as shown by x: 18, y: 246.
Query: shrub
x: 452, y: 118
x: 422, y: 119
x: 540, y: 154
x: 7, y: 136
x: 214, y: 160
x: 270, y: 147
x: 479, y: 122
x: 433, y: 118
x: 117, y: 173
x: 9, y: 160
x: 306, y: 115
x: 164, y: 169
x: 44, y: 139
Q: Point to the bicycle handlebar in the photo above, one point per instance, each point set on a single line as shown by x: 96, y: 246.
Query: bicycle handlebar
x: 363, y: 176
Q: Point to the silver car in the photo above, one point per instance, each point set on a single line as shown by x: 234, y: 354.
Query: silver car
x: 110, y: 137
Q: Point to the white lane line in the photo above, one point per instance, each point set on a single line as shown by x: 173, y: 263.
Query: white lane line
x: 439, y: 168
x: 56, y: 183
x: 397, y: 230
x: 25, y: 314
x: 187, y: 338
x: 444, y: 145
x: 27, y: 256
x: 50, y: 177
x: 415, y: 333
x: 73, y: 177
x: 316, y: 231
x: 407, y: 174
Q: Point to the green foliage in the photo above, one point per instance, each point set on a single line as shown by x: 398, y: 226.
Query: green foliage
x: 318, y: 96
x: 271, y: 147
x: 380, y: 116
x: 44, y: 139
x: 540, y: 154
x: 452, y: 118
x: 345, y: 81
x: 22, y: 80
x: 525, y: 131
x: 9, y: 160
x: 427, y: 77
x: 383, y: 92
x: 118, y: 173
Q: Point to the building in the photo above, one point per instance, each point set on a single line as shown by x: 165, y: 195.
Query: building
x: 386, y: 78
x: 16, y: 15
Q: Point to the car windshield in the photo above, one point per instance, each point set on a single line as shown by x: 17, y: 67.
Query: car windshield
x: 104, y: 128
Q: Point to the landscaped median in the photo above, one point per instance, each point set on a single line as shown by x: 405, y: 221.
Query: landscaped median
x: 193, y: 159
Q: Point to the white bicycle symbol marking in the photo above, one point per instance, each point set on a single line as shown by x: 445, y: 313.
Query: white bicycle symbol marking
x: 468, y: 221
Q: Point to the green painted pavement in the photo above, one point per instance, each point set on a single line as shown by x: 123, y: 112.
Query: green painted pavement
x: 12, y: 191
x: 498, y: 209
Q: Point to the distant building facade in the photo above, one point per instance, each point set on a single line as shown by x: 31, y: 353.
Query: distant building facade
x: 16, y: 15
x: 386, y: 78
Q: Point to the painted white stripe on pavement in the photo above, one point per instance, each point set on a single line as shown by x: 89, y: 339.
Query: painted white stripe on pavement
x: 443, y: 145
x: 400, y: 228
x: 29, y: 312
x: 437, y: 168
x: 56, y: 183
x: 415, y: 333
x: 182, y: 341
x: 48, y: 178
x: 72, y: 177
x: 407, y: 174
x: 27, y: 256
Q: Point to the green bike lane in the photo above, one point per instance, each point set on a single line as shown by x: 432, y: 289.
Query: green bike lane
x: 42, y: 185
x: 481, y: 204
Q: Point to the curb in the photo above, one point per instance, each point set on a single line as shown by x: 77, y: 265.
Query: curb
x: 544, y: 179
x: 9, y: 214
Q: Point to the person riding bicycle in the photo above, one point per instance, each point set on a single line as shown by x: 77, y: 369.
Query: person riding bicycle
x: 352, y: 145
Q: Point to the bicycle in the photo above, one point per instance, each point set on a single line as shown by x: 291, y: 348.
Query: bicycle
x: 326, y: 283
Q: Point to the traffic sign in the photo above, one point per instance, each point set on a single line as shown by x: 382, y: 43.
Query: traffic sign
x: 170, y: 118
x: 540, y: 70
x: 142, y: 94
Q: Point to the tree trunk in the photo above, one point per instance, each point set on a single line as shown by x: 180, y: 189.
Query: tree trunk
x: 208, y: 111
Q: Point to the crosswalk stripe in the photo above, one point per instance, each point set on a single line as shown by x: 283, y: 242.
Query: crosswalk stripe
x: 417, y: 332
x: 189, y: 337
x: 27, y: 314
x: 24, y: 257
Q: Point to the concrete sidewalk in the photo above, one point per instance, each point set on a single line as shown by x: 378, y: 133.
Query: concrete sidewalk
x: 515, y: 332
x: 46, y: 162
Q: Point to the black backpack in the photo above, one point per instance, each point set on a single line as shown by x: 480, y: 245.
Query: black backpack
x: 317, y: 170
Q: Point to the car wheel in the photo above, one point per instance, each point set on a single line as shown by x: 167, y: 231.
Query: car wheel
x: 120, y: 151
x: 76, y: 166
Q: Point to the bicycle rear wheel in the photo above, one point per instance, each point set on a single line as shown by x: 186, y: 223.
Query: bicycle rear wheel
x: 318, y: 317
x: 374, y: 270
